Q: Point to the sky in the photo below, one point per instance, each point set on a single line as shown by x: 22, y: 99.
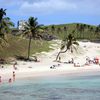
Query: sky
x: 54, y: 11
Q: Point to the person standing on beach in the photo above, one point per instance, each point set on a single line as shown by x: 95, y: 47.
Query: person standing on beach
x: 14, y: 65
x: 72, y: 61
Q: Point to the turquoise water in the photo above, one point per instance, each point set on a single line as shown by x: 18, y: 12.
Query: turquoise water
x: 53, y: 88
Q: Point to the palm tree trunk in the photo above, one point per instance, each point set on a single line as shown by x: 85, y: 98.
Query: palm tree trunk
x: 0, y: 25
x: 58, y: 56
x: 60, y: 53
x: 29, y: 47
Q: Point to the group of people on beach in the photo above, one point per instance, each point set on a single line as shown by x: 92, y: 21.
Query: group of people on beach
x: 10, y: 80
x: 89, y: 61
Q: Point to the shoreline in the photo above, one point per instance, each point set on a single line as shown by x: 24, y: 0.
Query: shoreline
x: 71, y: 73
x: 59, y: 71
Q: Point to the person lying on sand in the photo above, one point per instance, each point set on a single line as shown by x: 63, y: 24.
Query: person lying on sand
x: 54, y: 66
x: 76, y: 65
x: 35, y: 59
x: 71, y: 61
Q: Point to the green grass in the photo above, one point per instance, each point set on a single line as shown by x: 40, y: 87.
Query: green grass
x: 19, y: 47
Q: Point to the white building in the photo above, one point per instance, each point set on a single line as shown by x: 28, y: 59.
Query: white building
x: 21, y: 24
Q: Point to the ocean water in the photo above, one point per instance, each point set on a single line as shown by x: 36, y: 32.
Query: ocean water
x: 53, y: 88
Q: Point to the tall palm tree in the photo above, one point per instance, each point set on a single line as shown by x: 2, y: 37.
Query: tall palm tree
x: 81, y: 29
x: 77, y: 30
x: 5, y: 25
x: 97, y: 31
x: 67, y: 44
x: 4, y: 30
x: 91, y: 32
x: 46, y: 29
x: 31, y: 31
x: 58, y: 30
x: 65, y: 28
x: 2, y: 13
x: 53, y: 29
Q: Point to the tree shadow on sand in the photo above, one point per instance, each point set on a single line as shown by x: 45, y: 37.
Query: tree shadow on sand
x: 23, y: 58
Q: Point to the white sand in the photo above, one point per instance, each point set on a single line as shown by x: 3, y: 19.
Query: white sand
x: 42, y: 68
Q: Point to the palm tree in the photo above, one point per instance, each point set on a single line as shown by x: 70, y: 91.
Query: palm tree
x: 97, y: 30
x: 65, y: 28
x: 68, y: 44
x: 81, y: 31
x: 2, y: 13
x: 5, y: 25
x: 53, y: 29
x: 77, y: 30
x: 46, y: 29
x: 31, y: 31
x: 91, y: 32
x: 58, y: 30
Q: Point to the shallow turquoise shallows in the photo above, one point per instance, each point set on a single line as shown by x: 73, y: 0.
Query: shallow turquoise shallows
x: 53, y: 88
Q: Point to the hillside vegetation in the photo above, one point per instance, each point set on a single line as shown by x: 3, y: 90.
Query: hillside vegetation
x: 18, y: 47
x: 79, y: 30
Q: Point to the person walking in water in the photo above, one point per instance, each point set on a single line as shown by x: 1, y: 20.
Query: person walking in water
x: 10, y: 80
x: 13, y: 76
x: 0, y: 79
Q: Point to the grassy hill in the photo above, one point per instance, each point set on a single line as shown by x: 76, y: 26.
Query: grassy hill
x: 18, y: 47
x: 79, y: 30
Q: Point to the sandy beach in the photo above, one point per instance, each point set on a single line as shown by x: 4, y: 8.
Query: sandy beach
x: 42, y: 68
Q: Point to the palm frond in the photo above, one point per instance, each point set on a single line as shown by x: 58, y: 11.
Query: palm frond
x: 32, y: 28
